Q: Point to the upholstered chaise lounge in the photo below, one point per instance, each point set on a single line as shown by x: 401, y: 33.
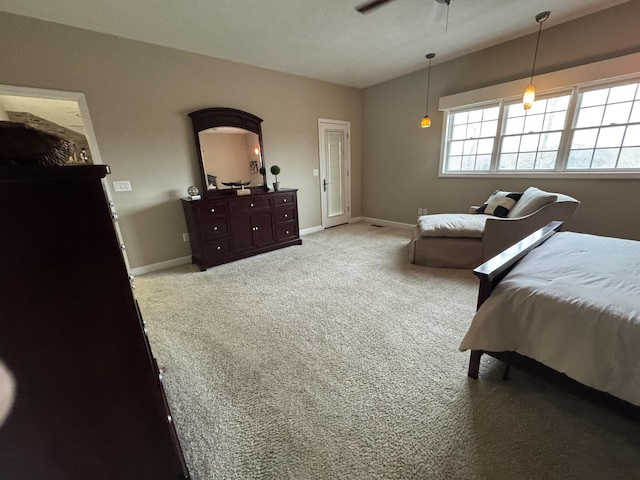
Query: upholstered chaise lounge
x: 465, y: 240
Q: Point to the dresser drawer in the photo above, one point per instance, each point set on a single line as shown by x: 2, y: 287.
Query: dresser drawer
x: 285, y: 214
x: 216, y: 248
x: 212, y: 229
x: 284, y: 199
x: 287, y: 231
x: 210, y: 210
x: 248, y: 204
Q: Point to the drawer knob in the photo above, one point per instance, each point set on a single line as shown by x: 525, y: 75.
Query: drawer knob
x: 213, y: 210
x: 219, y: 247
x: 284, y: 200
x: 252, y: 204
x: 286, y: 215
x: 215, y: 228
x: 287, y: 232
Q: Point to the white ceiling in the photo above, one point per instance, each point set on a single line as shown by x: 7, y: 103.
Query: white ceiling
x: 323, y: 39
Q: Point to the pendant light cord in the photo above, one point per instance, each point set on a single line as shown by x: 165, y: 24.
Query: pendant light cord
x: 428, y: 86
x: 535, y: 55
x: 446, y: 25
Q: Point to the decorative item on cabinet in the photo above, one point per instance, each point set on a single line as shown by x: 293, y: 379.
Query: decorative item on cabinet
x: 89, y: 403
x: 194, y: 193
x: 275, y: 171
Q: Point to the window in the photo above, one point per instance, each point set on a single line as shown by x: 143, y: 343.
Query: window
x: 473, y: 136
x: 579, y: 130
x: 531, y: 138
x: 606, y: 135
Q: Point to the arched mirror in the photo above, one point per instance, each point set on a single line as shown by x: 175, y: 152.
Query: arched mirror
x: 230, y: 153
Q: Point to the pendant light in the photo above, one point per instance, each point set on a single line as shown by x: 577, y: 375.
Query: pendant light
x: 530, y: 92
x: 426, y: 121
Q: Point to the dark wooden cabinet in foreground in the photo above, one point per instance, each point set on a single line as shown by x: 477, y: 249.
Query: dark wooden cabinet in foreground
x: 89, y: 401
x: 226, y: 227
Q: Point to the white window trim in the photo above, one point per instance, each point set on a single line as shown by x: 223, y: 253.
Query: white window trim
x: 617, y: 69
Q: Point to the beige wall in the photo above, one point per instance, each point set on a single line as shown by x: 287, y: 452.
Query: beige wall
x: 139, y: 96
x: 401, y: 160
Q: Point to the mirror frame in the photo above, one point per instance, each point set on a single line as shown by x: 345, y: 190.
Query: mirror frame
x: 225, y: 117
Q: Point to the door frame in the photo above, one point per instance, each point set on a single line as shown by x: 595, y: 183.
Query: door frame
x: 79, y: 98
x: 346, y: 125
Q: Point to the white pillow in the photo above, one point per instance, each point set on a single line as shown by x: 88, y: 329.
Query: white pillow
x: 532, y: 199
x: 499, y: 204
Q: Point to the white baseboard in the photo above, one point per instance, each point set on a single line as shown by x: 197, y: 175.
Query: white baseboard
x: 307, y: 231
x: 377, y: 221
x: 160, y: 266
x: 387, y: 223
x: 319, y: 228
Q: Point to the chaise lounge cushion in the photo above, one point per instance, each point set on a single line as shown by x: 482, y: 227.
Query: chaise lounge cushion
x: 532, y: 200
x: 464, y: 225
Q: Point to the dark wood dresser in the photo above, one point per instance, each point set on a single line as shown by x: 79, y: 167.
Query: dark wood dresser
x: 89, y: 400
x: 226, y: 227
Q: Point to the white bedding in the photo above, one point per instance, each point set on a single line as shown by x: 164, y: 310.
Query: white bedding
x: 573, y: 304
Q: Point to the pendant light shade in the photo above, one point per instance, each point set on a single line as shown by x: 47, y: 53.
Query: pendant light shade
x: 529, y: 97
x: 530, y: 92
x: 426, y: 120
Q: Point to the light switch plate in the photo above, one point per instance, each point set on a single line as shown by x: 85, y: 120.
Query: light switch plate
x: 122, y: 186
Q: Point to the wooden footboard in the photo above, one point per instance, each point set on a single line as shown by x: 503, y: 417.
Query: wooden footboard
x: 495, y: 269
x: 490, y: 274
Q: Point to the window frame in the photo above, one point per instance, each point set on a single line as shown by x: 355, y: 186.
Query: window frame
x: 560, y: 170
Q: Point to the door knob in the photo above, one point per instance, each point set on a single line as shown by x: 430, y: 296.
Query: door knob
x: 324, y: 184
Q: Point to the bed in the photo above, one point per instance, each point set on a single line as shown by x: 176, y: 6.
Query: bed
x: 565, y: 303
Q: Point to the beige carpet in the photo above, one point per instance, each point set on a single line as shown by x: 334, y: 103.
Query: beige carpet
x: 338, y: 359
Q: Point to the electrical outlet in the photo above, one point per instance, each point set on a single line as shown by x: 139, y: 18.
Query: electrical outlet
x: 419, y: 211
x: 316, y: 172
x: 185, y: 237
x: 424, y: 211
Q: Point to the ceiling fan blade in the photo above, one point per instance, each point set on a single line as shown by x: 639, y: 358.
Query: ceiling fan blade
x: 370, y: 5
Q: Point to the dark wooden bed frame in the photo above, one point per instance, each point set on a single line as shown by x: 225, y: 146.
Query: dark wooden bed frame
x: 490, y: 274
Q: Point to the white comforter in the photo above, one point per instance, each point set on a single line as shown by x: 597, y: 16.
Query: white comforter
x: 573, y: 304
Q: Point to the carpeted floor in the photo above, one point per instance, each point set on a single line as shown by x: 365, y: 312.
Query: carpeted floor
x: 338, y: 359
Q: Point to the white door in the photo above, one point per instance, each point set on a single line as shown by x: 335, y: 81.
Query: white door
x: 335, y: 163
